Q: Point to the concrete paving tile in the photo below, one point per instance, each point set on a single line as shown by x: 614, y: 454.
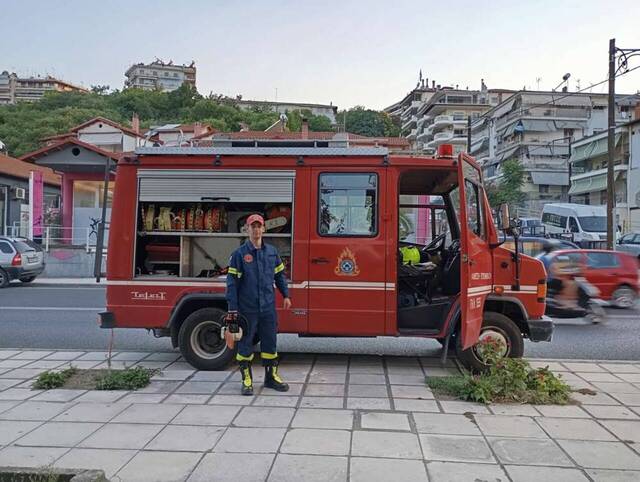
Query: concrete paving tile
x: 12, y: 364
x: 509, y: 426
x: 324, y: 390
x: 189, y: 438
x: 625, y: 430
x: 553, y: 366
x: 322, y: 402
x: 91, y: 412
x: 58, y: 434
x: 230, y: 400
x: 295, y: 389
x: 310, y: 468
x: 131, y: 356
x: 630, y: 377
x: 102, y: 396
x: 264, y: 401
x: 44, y: 364
x: 178, y: 365
x: 599, y: 475
x: 463, y: 407
x: 143, y: 398
x: 583, y: 367
x: 525, y: 473
x: 435, y: 362
x: 35, y: 411
x: 448, y: 424
x: 18, y: 394
x: 366, y: 379
x: 612, y: 388
x: 367, y: 391
x: 58, y: 395
x: 298, y: 376
x: 630, y: 399
x: 152, y: 365
x: 11, y: 430
x: 8, y: 353
x: 418, y: 380
x: 163, y: 356
x: 323, y: 418
x: 160, y: 387
x: 369, y: 403
x: 64, y: 355
x: 251, y: 440
x: 412, y: 405
x: 311, y: 441
x: 115, y: 365
x: 385, y: 421
x: 367, y: 370
x: 269, y: 417
x: 612, y: 412
x: 574, y: 429
x: 6, y: 405
x: 159, y: 467
x: 232, y: 467
x: 513, y: 409
x: 600, y: 377
x: 173, y: 375
x: 31, y: 355
x: 456, y: 448
x: 24, y: 373
x: 529, y: 451
x: 122, y: 436
x: 220, y: 415
x: 441, y: 372
x: 146, y: 413
x: 200, y: 376
x: 385, y: 444
x: 9, y: 382
x: 601, y: 455
x: 199, y: 387
x: 465, y: 472
x: 95, y: 356
x: 364, y: 469
x: 562, y: 411
x: 110, y: 461
x: 80, y: 364
x: 234, y: 387
x: 620, y: 367
x: 598, y: 399
x: 187, y: 399
x: 14, y: 456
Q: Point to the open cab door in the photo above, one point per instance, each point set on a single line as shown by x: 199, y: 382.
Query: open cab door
x: 475, y: 253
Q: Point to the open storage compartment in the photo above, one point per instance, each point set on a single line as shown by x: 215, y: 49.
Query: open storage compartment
x: 190, y: 221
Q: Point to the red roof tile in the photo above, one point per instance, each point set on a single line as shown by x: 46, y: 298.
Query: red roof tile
x: 12, y: 167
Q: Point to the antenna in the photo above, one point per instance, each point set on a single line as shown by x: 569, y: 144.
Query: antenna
x: 538, y: 79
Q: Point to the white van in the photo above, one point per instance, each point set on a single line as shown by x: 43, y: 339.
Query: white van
x: 584, y: 224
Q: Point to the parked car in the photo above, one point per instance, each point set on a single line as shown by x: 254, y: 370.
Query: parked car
x: 614, y: 273
x: 20, y: 259
x: 533, y: 245
x: 630, y: 243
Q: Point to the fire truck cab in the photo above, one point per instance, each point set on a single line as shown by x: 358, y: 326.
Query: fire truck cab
x: 373, y: 244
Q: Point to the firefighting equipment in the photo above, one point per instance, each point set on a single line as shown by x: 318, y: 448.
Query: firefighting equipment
x: 247, y: 376
x: 410, y: 255
x: 277, y: 217
x: 231, y: 330
x: 272, y: 378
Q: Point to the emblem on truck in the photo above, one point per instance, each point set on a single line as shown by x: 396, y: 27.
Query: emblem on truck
x: 347, y: 265
x: 145, y: 295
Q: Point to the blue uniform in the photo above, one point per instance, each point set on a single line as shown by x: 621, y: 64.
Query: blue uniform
x: 252, y: 274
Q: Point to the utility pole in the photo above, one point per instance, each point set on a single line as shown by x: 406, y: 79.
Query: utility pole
x: 468, y: 134
x: 611, y: 198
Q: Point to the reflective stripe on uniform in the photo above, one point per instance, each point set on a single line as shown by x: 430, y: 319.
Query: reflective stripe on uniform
x: 240, y: 357
x: 268, y: 356
x: 235, y: 272
x: 279, y: 268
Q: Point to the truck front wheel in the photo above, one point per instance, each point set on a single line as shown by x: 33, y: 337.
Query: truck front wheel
x: 200, y: 341
x: 494, y: 325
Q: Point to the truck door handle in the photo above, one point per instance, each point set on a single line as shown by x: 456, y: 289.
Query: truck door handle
x: 319, y: 260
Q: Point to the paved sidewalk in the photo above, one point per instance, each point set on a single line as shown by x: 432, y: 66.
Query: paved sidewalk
x: 357, y: 418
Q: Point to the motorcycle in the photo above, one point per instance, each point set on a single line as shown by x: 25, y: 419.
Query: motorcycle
x: 588, y: 306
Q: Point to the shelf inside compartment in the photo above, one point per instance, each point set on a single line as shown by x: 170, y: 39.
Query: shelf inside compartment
x: 209, y: 234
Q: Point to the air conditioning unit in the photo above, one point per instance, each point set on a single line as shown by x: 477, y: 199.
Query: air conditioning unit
x: 19, y: 193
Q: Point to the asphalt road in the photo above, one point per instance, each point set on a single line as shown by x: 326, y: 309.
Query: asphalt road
x: 64, y: 317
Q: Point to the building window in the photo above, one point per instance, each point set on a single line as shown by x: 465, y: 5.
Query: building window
x: 348, y: 204
x: 175, y: 74
x: 543, y: 188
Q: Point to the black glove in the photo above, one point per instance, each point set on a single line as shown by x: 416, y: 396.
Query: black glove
x: 232, y: 322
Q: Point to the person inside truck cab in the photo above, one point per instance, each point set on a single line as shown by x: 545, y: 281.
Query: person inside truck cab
x: 253, y: 269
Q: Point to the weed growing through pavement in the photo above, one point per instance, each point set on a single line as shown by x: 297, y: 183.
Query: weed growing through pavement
x: 51, y: 379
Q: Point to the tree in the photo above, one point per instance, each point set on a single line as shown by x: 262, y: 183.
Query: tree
x: 508, y: 189
x: 367, y: 122
x: 100, y: 89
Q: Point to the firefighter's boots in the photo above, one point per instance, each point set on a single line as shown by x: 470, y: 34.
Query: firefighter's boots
x: 247, y: 377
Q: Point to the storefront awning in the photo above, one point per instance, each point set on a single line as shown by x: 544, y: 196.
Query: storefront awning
x: 595, y: 148
x: 550, y: 178
x: 589, y: 184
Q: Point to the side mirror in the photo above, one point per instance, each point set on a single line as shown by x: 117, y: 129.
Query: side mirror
x: 504, y: 218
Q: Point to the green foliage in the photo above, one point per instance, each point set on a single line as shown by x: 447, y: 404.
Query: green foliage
x: 48, y: 380
x: 507, y: 380
x: 127, y: 379
x: 22, y: 126
x: 367, y: 122
x: 508, y: 189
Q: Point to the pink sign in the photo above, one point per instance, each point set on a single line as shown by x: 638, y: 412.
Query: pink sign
x: 37, y: 193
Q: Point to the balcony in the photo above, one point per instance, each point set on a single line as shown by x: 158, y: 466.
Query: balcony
x: 442, y: 121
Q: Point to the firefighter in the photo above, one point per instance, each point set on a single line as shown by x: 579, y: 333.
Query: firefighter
x: 253, y: 269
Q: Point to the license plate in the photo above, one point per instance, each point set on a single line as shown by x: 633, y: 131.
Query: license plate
x: 32, y: 260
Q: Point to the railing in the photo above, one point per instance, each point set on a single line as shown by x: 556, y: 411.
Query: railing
x: 60, y: 236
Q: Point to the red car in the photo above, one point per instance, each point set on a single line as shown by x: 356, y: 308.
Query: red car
x: 614, y: 273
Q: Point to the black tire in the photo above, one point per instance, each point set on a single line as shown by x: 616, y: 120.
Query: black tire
x: 624, y: 297
x: 27, y: 279
x: 4, y: 278
x: 200, y: 342
x: 493, y: 324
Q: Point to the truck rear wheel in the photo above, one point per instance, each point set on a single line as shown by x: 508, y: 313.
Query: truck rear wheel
x: 200, y: 341
x: 495, y: 325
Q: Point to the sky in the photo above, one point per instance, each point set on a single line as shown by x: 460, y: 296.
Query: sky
x: 347, y: 52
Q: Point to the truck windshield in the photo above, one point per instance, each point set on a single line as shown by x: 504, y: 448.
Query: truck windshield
x: 593, y: 224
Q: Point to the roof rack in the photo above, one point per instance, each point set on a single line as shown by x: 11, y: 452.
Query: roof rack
x: 266, y: 148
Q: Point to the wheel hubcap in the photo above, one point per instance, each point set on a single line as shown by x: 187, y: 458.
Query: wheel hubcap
x: 492, y: 333
x: 206, y: 341
x: 624, y: 298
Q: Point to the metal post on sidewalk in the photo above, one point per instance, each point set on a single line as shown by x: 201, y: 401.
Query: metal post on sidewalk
x: 48, y: 236
x: 611, y: 145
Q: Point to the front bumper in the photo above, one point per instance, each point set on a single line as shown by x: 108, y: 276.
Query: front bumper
x: 106, y: 319
x: 540, y: 329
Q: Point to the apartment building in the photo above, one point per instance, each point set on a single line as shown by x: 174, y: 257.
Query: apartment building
x: 406, y: 110
x: 30, y: 89
x: 164, y: 76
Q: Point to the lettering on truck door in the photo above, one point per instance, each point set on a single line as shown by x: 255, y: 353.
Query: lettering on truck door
x: 347, y: 251
x: 475, y: 255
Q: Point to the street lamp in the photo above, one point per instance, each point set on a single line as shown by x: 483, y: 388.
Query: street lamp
x: 565, y: 77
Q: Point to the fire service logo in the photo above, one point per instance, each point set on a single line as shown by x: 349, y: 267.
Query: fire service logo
x: 347, y: 265
x: 145, y: 295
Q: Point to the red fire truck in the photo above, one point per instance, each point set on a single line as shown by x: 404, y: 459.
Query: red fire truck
x: 340, y: 217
